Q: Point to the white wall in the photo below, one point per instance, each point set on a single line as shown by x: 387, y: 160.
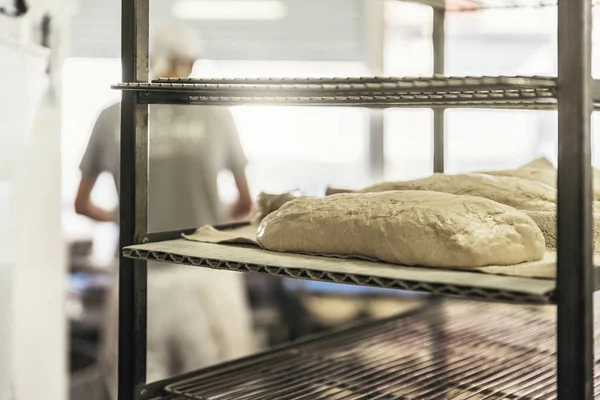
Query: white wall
x: 312, y: 30
x: 32, y: 270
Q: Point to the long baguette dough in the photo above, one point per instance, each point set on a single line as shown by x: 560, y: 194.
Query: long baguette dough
x: 405, y: 227
x: 518, y: 192
x: 542, y: 170
x: 528, y: 188
x: 521, y: 194
x: 546, y: 221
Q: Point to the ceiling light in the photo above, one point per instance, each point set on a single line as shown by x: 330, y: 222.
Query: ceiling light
x: 230, y: 9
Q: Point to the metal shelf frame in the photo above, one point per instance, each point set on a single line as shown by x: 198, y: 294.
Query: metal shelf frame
x: 378, y: 92
x: 397, y: 358
x: 573, y: 91
x: 439, y: 92
x: 478, y: 5
x: 456, y: 283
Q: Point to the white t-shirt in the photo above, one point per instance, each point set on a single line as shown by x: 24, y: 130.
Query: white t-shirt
x: 196, y: 316
x: 189, y: 146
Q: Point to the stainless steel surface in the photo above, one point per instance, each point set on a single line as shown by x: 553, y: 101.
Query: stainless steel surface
x: 574, y: 225
x: 533, y: 92
x: 142, y: 153
x: 541, y: 100
x: 375, y: 35
x: 509, y: 355
x: 350, y: 85
x: 376, y: 145
x: 475, y: 5
x: 142, y: 31
x: 439, y: 61
x: 133, y: 200
x: 142, y: 128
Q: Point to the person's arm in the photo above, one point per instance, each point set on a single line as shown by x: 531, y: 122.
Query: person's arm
x: 237, y: 165
x: 243, y: 205
x: 93, y: 164
x: 84, y: 204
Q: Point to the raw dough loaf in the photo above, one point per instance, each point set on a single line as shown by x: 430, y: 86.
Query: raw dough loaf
x: 544, y: 175
x: 546, y: 221
x: 405, y: 227
x: 542, y: 170
x: 518, y: 192
x: 521, y: 194
x: 267, y: 202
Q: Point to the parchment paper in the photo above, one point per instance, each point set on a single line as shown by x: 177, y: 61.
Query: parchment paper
x: 543, y: 269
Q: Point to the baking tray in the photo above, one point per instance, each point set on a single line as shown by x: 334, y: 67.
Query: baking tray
x: 247, y: 258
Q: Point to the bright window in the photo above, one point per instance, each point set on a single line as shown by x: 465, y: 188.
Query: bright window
x: 305, y: 148
x: 494, y: 42
x: 288, y: 148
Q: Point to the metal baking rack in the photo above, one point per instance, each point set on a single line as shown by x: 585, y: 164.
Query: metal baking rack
x: 567, y: 373
x: 477, y: 5
x: 476, y: 359
x: 465, y: 284
x: 438, y: 91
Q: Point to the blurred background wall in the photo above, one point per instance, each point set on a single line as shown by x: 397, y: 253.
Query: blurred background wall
x: 33, y: 335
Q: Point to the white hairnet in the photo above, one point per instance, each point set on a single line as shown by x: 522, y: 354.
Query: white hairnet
x: 175, y: 43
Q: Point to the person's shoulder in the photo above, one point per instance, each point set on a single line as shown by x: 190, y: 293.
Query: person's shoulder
x: 109, y: 113
x: 107, y: 120
x: 111, y: 110
x: 217, y: 110
x: 220, y: 114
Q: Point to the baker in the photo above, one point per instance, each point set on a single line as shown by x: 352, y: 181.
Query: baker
x: 196, y: 317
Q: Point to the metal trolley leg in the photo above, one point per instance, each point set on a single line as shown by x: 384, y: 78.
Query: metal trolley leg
x: 439, y: 56
x: 133, y: 201
x: 437, y: 319
x: 575, y: 277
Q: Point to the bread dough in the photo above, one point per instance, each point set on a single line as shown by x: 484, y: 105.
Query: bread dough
x: 539, y: 170
x: 405, y: 227
x: 267, y: 203
x: 546, y: 221
x: 521, y: 194
x: 530, y: 188
x: 542, y: 170
x: 539, y: 163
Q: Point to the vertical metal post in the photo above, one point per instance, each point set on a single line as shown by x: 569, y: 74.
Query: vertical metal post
x: 575, y: 275
x: 133, y: 200
x: 436, y: 302
x: 375, y: 34
x: 439, y: 55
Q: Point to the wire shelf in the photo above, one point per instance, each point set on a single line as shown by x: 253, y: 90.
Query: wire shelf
x: 536, y: 92
x: 475, y: 5
x: 443, y: 353
x: 465, y: 284
x: 373, y: 83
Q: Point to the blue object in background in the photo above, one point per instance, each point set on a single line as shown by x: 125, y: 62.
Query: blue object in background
x: 80, y: 282
x: 336, y: 288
